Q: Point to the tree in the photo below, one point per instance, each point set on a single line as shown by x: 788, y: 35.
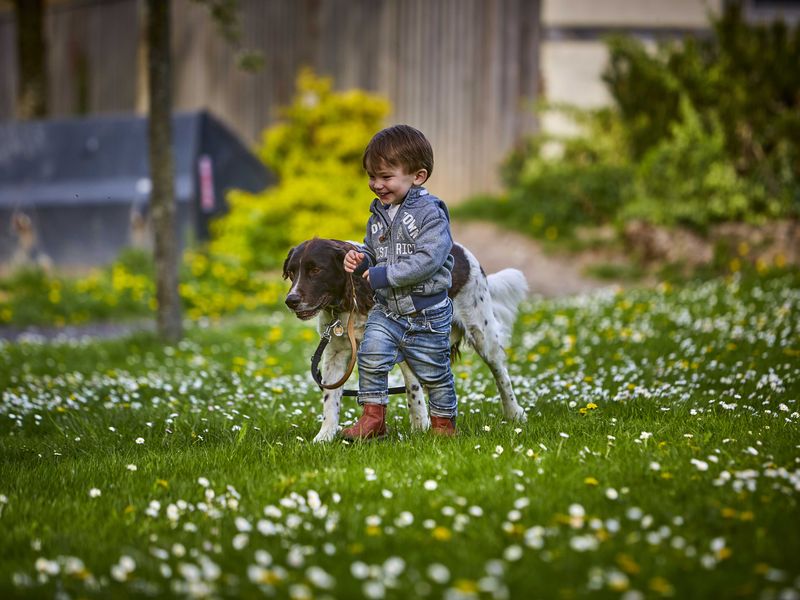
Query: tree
x: 31, y: 59
x: 162, y: 197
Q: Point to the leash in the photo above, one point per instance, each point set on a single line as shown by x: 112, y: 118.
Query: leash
x: 337, y: 329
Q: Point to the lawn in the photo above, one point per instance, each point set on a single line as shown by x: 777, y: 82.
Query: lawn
x: 661, y: 457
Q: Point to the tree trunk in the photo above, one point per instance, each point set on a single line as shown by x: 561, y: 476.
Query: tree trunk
x: 31, y: 59
x: 162, y: 197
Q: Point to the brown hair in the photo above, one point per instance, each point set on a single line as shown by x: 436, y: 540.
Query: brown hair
x: 399, y: 146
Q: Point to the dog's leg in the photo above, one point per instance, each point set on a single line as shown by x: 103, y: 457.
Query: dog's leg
x: 334, y: 362
x: 415, y: 397
x: 491, y: 351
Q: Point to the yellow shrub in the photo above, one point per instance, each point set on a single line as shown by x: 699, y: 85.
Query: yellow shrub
x: 315, y: 151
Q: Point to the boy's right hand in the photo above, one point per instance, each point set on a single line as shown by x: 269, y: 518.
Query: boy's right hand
x: 352, y: 259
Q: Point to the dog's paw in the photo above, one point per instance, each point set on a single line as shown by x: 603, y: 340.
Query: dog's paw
x: 324, y: 436
x: 420, y: 423
x: 517, y: 413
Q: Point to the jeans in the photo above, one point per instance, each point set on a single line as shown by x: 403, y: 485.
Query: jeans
x: 423, y: 341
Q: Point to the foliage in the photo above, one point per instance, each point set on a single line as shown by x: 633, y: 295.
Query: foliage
x: 209, y: 288
x: 556, y: 183
x: 687, y: 179
x: 701, y: 132
x: 745, y: 77
x: 316, y: 153
x: 659, y: 460
x: 36, y: 296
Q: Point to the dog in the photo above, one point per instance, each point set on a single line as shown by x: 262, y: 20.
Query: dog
x: 484, y: 311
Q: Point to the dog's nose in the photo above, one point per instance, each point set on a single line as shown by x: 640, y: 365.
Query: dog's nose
x: 293, y: 300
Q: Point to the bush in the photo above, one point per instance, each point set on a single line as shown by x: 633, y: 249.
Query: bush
x: 687, y: 179
x: 557, y: 183
x: 322, y: 191
x: 745, y: 76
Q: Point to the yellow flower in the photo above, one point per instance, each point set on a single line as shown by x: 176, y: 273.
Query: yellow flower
x: 628, y: 564
x: 443, y: 534
x: 591, y: 481
x: 466, y: 586
x: 661, y: 586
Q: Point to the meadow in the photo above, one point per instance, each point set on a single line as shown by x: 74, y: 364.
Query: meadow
x: 661, y: 458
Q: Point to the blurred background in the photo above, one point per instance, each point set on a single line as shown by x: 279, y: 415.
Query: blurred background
x: 573, y: 122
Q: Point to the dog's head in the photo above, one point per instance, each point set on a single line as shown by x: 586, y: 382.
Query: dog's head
x: 316, y: 270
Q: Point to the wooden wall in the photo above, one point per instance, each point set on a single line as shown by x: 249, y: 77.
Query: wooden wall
x: 463, y: 71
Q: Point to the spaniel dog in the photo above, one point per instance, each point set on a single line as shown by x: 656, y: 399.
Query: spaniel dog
x: 484, y: 310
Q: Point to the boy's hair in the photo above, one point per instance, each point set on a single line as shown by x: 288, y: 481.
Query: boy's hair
x: 399, y: 146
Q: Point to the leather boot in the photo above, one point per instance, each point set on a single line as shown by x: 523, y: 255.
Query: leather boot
x: 372, y: 424
x: 443, y: 426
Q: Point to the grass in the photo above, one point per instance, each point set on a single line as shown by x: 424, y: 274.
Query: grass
x: 660, y: 458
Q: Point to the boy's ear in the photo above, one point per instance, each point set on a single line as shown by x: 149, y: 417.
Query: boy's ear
x: 421, y: 176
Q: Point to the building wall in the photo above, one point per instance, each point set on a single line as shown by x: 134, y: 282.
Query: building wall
x: 463, y: 71
x: 573, y: 55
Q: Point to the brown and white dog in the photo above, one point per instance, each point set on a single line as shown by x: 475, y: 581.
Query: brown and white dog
x: 484, y: 310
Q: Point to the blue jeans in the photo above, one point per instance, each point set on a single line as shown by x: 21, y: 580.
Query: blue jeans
x: 423, y: 341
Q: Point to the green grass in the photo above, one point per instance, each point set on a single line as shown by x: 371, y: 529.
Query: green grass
x: 660, y: 458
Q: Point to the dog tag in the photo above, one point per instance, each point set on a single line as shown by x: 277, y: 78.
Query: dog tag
x: 338, y: 330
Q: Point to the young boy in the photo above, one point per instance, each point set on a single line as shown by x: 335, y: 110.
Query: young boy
x: 408, y: 261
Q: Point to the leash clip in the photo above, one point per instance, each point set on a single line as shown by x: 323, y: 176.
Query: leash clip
x: 337, y: 329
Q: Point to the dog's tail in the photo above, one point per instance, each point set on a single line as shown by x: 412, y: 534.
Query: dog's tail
x: 508, y: 289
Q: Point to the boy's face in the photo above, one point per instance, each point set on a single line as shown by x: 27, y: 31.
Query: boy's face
x: 391, y: 184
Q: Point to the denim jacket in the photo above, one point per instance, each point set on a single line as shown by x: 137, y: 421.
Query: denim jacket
x: 410, y: 257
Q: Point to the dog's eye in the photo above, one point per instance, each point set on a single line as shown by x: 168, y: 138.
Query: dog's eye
x: 314, y: 270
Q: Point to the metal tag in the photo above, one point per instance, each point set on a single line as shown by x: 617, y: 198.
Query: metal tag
x: 338, y: 330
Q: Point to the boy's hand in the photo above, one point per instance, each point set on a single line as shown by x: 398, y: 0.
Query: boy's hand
x: 352, y: 259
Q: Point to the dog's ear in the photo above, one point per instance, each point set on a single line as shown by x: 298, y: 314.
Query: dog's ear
x: 286, y: 262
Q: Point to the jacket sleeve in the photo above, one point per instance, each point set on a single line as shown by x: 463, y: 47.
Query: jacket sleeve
x: 432, y: 247
x: 367, y: 249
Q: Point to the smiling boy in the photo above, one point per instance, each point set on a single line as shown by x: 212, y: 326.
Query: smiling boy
x: 408, y: 264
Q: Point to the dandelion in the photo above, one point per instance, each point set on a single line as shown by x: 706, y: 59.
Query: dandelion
x: 132, y: 467
x: 700, y: 464
x: 140, y: 440
x: 94, y: 493
x: 203, y: 482
x: 612, y: 494
x: 430, y: 485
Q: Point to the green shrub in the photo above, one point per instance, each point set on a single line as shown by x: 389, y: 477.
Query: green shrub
x: 557, y: 183
x: 688, y: 179
x: 745, y: 75
x: 322, y: 191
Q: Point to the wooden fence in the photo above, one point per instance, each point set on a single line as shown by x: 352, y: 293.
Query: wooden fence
x: 463, y: 71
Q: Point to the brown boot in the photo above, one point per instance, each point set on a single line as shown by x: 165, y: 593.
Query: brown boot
x: 443, y: 426
x: 372, y: 424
